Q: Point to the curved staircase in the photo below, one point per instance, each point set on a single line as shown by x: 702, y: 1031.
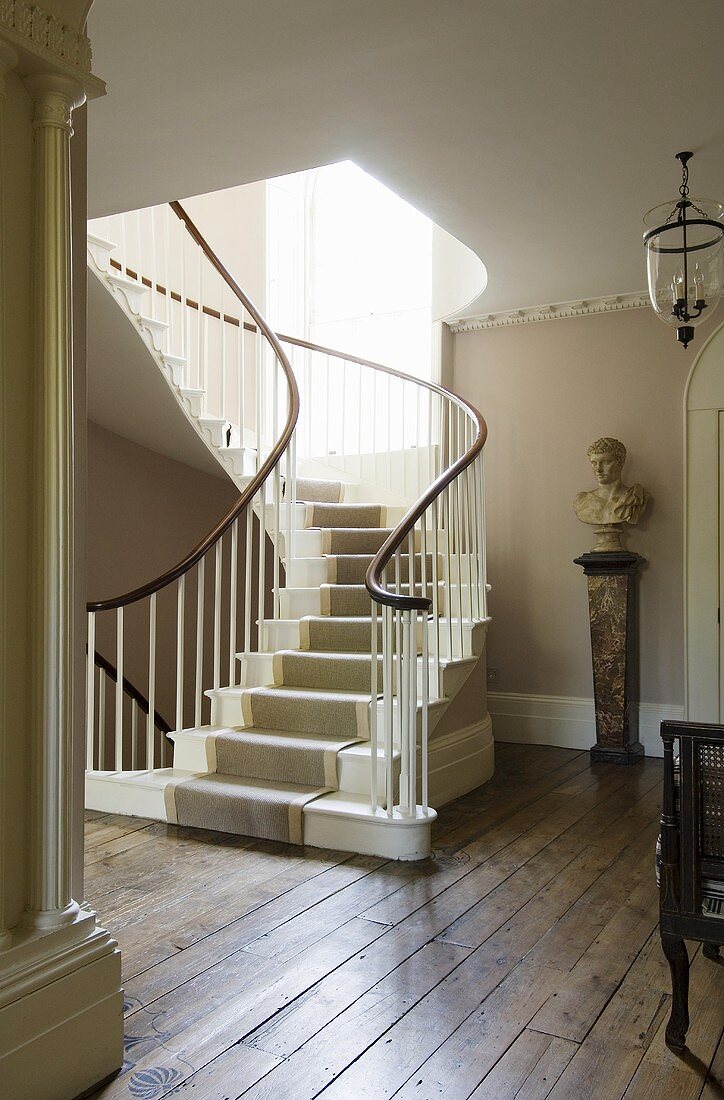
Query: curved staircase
x: 327, y: 623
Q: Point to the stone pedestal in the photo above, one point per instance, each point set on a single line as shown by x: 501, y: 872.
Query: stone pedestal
x: 612, y: 608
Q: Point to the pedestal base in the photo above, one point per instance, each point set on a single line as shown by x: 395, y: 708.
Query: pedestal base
x: 629, y: 754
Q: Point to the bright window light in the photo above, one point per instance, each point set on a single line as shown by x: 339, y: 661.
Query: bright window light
x: 350, y: 266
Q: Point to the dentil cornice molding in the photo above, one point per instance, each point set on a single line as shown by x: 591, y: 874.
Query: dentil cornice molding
x: 581, y: 308
x: 43, y: 37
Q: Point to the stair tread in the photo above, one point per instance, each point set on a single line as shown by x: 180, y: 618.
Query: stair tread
x: 309, y: 693
x: 274, y: 786
x: 287, y: 736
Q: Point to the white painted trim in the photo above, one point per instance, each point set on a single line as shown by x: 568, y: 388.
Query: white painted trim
x: 460, y: 761
x: 62, y: 998
x: 703, y: 402
x: 581, y: 308
x: 566, y: 721
x: 43, y: 33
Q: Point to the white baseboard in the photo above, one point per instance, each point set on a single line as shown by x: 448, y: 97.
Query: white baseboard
x: 567, y: 722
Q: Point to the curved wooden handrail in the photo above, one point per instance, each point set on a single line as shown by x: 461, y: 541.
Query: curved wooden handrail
x: 261, y: 475
x: 373, y: 577
x: 131, y: 690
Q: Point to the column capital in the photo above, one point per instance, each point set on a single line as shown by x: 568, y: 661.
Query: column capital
x: 55, y: 97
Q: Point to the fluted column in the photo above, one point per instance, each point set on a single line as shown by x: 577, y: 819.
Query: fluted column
x: 50, y: 902
x: 8, y: 61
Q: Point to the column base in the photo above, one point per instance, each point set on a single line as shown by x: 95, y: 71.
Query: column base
x: 628, y: 754
x: 61, y: 1012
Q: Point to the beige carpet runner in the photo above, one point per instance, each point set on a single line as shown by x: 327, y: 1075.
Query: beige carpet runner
x: 285, y: 753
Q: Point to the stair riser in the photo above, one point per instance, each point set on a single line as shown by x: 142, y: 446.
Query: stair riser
x: 101, y: 251
x: 296, y: 602
x: 133, y: 293
x: 306, y: 544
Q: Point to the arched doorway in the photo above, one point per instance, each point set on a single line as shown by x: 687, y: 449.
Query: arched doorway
x: 704, y: 532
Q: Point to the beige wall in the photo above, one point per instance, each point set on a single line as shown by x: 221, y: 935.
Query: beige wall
x: 145, y: 512
x: 547, y: 390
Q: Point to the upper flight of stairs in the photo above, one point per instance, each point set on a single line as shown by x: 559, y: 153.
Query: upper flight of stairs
x: 287, y: 753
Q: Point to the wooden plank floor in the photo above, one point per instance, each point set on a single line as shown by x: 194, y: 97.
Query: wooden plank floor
x: 522, y: 961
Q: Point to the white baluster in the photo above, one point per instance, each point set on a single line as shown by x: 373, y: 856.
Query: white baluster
x: 328, y: 398
x: 119, y: 690
x: 248, y: 553
x: 435, y: 596
x: 233, y: 566
x: 180, y: 632
x: 154, y: 271
x: 240, y: 378
x: 483, y: 534
x: 258, y: 398
x: 124, y: 245
x: 447, y: 554
x: 374, y: 688
x: 151, y: 725
x: 101, y: 720
x: 185, y: 319
x: 412, y: 705
x: 403, y: 706
x: 261, y: 634
x: 134, y: 735
x: 200, y: 331
x: 387, y: 696
x: 200, y: 596
x: 90, y: 692
x: 139, y: 249
x: 222, y: 399
x: 166, y: 214
x: 275, y: 536
x: 218, y: 564
x: 424, y: 616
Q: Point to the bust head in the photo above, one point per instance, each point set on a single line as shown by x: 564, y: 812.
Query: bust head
x: 607, y: 457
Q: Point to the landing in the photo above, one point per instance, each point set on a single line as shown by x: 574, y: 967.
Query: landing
x: 523, y: 954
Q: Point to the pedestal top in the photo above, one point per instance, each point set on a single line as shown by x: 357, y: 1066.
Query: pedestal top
x: 603, y: 562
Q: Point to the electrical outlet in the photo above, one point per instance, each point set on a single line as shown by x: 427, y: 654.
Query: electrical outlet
x: 492, y: 675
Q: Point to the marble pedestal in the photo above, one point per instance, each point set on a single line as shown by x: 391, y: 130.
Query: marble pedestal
x: 612, y: 607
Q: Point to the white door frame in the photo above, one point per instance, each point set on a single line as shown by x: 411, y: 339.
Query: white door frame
x: 703, y: 401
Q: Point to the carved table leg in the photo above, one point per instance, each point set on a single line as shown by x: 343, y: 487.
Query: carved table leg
x: 675, y: 951
x: 711, y: 951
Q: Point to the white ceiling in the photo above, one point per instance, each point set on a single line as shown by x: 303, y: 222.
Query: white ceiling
x: 536, y: 131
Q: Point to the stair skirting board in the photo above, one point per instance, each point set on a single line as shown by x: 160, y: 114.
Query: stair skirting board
x: 566, y: 721
x: 460, y: 761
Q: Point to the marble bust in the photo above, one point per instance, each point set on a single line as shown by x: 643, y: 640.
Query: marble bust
x: 612, y: 504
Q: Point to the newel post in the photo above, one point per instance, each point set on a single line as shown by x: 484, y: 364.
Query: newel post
x: 50, y: 904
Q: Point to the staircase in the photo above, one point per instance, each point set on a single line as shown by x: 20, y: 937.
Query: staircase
x: 310, y: 647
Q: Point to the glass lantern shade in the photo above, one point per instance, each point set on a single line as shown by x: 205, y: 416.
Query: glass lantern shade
x: 685, y: 259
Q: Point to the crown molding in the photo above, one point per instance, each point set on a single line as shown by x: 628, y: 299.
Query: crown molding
x: 43, y: 37
x: 581, y: 308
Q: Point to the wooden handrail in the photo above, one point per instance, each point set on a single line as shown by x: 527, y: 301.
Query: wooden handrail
x: 131, y: 690
x: 373, y: 577
x: 261, y: 475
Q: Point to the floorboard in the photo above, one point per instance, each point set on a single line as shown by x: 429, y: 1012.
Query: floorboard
x: 521, y: 962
